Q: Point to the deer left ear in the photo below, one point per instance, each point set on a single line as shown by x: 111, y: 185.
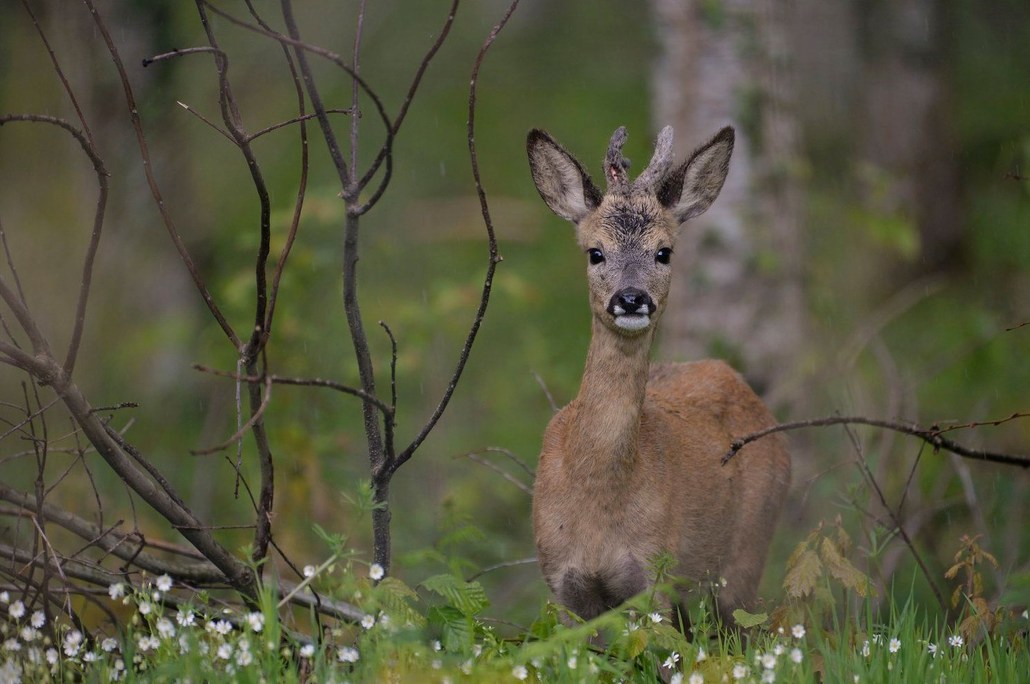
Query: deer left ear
x: 692, y: 187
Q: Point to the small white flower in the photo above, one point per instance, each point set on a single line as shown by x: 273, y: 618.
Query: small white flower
x: 1026, y: 614
x: 779, y: 649
x: 256, y: 621
x: 931, y: 648
x: 722, y: 581
x: 656, y: 617
x: 307, y: 650
x: 572, y: 662
x: 695, y: 678
x: 71, y: 650
x: 368, y: 622
x: 116, y: 590
x: 38, y: 619
x: 5, y: 597
x: 184, y: 643
x: 798, y: 631
x: 955, y: 640
x: 17, y: 610
x: 769, y: 676
x: 796, y: 655
x: 185, y: 617
x: 348, y: 655
x: 740, y: 671
x: 701, y: 655
x: 376, y: 572
x: 52, y: 655
x: 108, y: 644
x: 220, y: 627
x: 519, y: 672
x: 436, y: 645
x: 73, y: 637
x: 865, y: 649
x: 224, y: 651
x: 894, y: 645
x: 148, y: 643
x: 165, y: 628
x: 244, y: 658
x: 671, y: 661
x: 145, y: 607
x: 28, y: 634
x: 309, y: 570
x: 677, y: 678
x: 12, y: 645
x: 769, y: 661
x: 163, y: 583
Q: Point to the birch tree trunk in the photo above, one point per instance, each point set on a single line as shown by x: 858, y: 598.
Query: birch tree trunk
x: 738, y: 294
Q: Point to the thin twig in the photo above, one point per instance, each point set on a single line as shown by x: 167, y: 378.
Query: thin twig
x: 238, y: 435
x: 499, y: 566
x: 473, y: 456
x: 931, y: 436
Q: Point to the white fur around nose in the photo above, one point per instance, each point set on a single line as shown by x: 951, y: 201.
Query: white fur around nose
x: 632, y: 321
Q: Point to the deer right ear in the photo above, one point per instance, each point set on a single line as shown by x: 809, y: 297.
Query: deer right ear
x: 562, y: 181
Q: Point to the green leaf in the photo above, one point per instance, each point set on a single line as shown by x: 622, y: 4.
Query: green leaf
x: 467, y: 597
x: 457, y: 631
x: 748, y: 620
x: 803, y: 574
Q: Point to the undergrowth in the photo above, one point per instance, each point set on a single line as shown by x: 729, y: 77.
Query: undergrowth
x: 439, y: 631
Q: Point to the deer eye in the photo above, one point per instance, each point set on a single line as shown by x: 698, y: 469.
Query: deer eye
x: 595, y: 255
x: 663, y: 255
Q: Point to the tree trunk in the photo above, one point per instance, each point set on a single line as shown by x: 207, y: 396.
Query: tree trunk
x: 738, y: 290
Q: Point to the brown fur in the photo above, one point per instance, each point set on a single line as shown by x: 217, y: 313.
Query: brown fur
x: 631, y: 467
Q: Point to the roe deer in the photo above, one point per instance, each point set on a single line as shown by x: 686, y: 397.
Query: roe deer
x: 631, y: 467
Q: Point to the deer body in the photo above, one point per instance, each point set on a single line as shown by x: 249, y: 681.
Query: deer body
x: 631, y: 468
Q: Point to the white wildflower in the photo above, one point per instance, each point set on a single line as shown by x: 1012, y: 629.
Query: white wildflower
x: 671, y: 661
x: 798, y: 631
x: 90, y: 657
x: 348, y: 655
x: 185, y: 617
x: 165, y: 628
x: 931, y: 648
x: 28, y: 634
x: 307, y: 650
x: 244, y: 658
x: 38, y: 619
x: 256, y: 621
x: 677, y: 678
x: 145, y: 607
x: 52, y: 655
x: 164, y: 583
x: 796, y: 655
x: 695, y: 678
x: 219, y: 627
x: 519, y: 672
x: 779, y: 649
x: 572, y: 662
x: 224, y: 651
x: 116, y: 590
x: 769, y: 676
x: 436, y: 645
x: 5, y: 597
x: 12, y: 645
x: 865, y: 648
x: 740, y: 671
x: 184, y: 643
x: 955, y: 640
x: 108, y: 644
x: 376, y: 572
x: 894, y: 645
x: 309, y: 570
x: 16, y: 610
x: 701, y: 655
x: 656, y: 617
x: 368, y: 622
x: 769, y: 661
x: 148, y: 643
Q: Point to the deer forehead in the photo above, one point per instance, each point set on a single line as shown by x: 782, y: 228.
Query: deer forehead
x: 628, y: 221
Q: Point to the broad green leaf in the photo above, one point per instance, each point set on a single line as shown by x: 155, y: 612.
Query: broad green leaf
x: 467, y: 597
x: 748, y: 620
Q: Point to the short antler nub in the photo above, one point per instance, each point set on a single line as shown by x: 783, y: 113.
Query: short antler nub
x: 660, y: 162
x: 615, y: 164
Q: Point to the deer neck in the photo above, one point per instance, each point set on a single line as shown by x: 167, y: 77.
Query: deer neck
x: 611, y: 398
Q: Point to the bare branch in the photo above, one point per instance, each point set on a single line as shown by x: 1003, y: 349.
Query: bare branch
x: 931, y: 436
x: 238, y: 435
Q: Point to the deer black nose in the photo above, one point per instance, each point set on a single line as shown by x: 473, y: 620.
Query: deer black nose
x: 631, y: 300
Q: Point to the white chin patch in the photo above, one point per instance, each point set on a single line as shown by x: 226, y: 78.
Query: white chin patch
x: 633, y: 321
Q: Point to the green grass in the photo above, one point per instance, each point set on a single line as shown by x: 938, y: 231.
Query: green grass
x: 440, y: 632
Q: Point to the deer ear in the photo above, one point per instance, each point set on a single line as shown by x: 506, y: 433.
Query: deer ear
x: 692, y: 187
x: 560, y: 179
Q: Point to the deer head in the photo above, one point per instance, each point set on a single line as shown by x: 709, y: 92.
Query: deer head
x: 629, y: 232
